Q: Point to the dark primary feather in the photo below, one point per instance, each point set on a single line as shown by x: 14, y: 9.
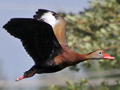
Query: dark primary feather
x: 37, y: 37
x: 41, y: 12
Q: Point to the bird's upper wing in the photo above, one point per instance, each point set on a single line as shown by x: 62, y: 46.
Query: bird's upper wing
x: 56, y: 21
x: 37, y: 37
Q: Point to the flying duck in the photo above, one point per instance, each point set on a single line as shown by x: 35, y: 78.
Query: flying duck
x: 44, y: 39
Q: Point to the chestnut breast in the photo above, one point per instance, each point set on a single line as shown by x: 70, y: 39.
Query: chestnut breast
x: 68, y: 58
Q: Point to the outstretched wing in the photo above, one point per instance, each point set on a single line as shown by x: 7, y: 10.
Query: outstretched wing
x: 56, y: 21
x: 37, y: 37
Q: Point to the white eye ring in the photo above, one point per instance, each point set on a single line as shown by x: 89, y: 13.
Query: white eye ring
x: 100, y: 53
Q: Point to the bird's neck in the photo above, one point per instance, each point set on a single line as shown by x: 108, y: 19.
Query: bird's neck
x: 80, y: 57
x: 72, y: 56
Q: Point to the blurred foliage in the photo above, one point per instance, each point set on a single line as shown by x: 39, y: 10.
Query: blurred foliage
x: 96, y: 28
x: 85, y: 85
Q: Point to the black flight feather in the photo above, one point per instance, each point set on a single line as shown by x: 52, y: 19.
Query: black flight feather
x: 36, y: 36
x: 41, y: 12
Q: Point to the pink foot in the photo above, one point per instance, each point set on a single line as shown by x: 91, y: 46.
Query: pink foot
x: 20, y: 78
x: 26, y: 75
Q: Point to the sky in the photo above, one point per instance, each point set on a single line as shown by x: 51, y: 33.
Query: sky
x: 13, y: 58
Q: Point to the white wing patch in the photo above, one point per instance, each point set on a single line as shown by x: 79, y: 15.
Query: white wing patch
x: 49, y: 18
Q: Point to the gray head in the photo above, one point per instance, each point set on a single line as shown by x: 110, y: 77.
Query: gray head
x: 99, y: 54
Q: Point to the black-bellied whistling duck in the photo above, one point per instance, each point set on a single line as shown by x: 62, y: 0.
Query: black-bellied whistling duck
x: 44, y: 38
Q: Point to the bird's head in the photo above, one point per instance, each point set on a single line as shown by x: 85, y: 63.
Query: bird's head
x: 99, y: 54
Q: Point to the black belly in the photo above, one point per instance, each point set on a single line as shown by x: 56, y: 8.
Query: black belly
x: 48, y: 67
x: 52, y: 69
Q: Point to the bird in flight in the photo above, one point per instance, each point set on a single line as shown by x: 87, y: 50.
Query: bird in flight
x: 44, y: 39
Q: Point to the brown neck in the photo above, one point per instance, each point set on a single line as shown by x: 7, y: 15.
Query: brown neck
x: 69, y: 57
x: 72, y: 56
x: 81, y: 57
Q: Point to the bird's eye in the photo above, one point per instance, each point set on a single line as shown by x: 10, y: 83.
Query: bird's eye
x: 100, y: 53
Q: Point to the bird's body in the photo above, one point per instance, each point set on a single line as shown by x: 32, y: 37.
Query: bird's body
x: 44, y: 38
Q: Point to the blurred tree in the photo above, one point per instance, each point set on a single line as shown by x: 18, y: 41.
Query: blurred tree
x: 96, y: 28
